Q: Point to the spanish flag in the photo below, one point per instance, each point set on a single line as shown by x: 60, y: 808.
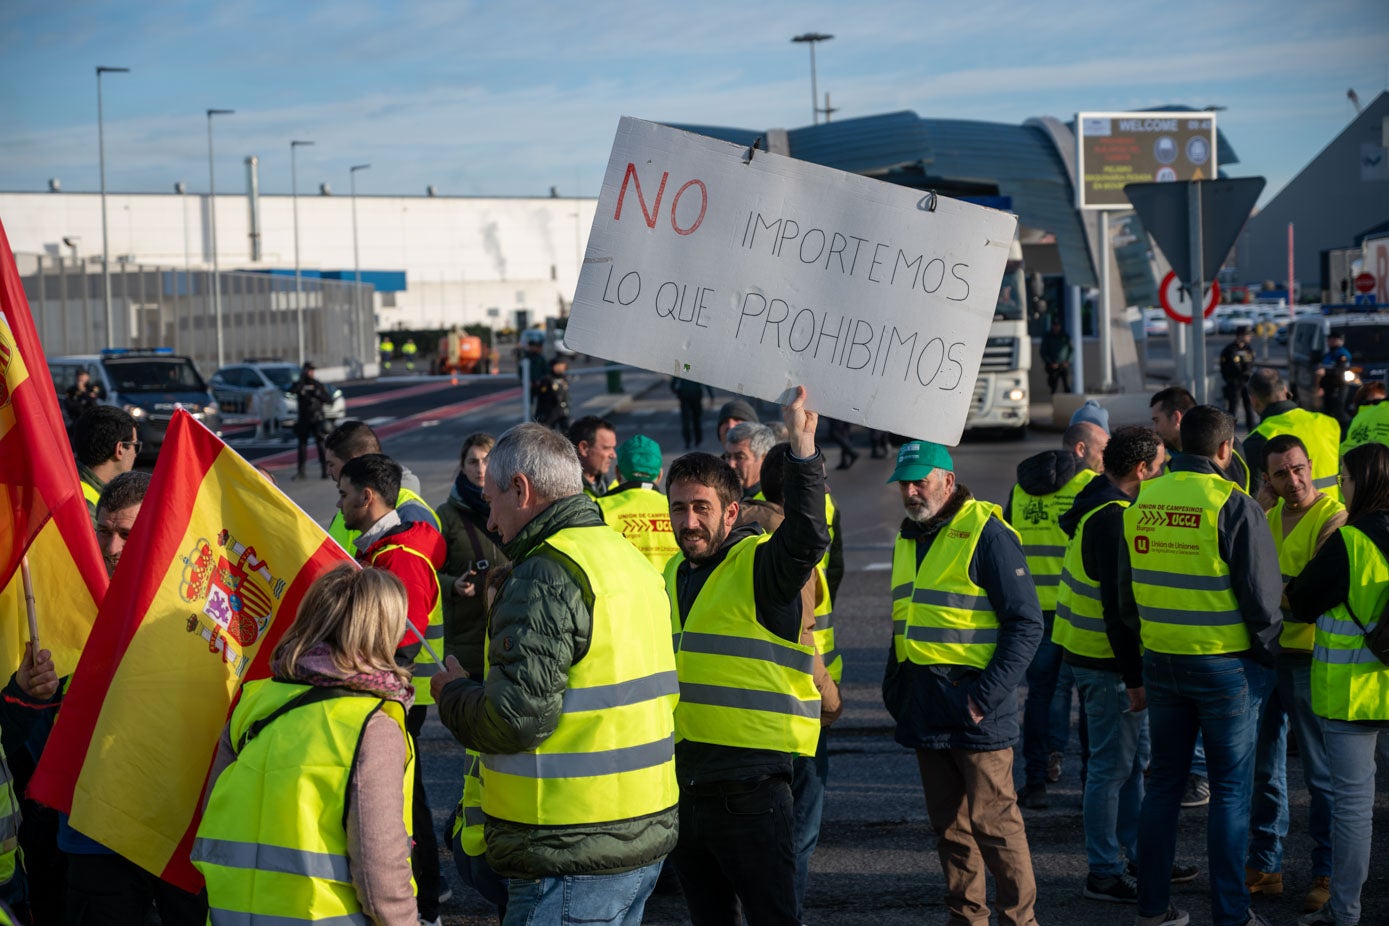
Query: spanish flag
x: 42, y: 512
x: 213, y: 572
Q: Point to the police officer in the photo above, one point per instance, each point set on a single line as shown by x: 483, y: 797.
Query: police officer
x: 634, y: 507
x: 965, y: 624
x: 748, y: 701
x: 1236, y: 366
x: 311, y: 396
x: 1205, y: 586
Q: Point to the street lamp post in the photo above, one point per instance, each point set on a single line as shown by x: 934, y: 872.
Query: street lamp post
x: 298, y: 281
x: 212, y: 203
x: 101, y: 157
x: 356, y: 254
x: 810, y: 38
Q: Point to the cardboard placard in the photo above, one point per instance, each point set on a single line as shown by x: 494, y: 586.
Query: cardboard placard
x: 757, y: 273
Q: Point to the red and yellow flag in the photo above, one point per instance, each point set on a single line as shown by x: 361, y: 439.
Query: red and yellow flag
x: 213, y: 573
x: 42, y: 512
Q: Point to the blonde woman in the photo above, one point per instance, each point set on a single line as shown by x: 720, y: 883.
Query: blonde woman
x: 309, y: 811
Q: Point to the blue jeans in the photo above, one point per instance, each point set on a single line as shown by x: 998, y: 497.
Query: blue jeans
x: 1114, y: 785
x: 810, y: 775
x: 1219, y: 697
x: 1042, y: 676
x: 1350, y: 751
x: 574, y: 899
x: 1290, y: 703
x: 478, y: 875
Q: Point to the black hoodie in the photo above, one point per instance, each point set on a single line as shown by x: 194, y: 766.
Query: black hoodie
x: 1043, y: 474
x: 1099, y: 553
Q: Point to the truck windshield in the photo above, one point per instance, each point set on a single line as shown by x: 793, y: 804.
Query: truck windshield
x: 1010, y: 292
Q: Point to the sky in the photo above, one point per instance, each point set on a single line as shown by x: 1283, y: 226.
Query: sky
x: 511, y: 99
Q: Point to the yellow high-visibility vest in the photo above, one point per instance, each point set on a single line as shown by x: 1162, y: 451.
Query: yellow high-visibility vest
x: 1079, y: 626
x: 740, y: 684
x: 1295, y: 551
x: 425, y: 667
x: 1369, y: 426
x: 1180, y: 581
x: 1034, y: 517
x: 272, y: 843
x: 940, y: 617
x: 612, y: 756
x: 642, y: 515
x: 1322, y: 435
x: 1348, y: 682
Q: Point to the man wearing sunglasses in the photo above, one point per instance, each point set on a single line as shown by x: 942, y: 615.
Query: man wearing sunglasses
x: 105, y: 441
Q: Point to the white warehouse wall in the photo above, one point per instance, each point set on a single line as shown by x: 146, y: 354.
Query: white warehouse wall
x: 461, y: 255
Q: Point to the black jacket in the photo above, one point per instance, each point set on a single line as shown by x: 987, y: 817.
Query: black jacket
x: 1042, y: 474
x: 1246, y: 545
x: 929, y: 702
x: 780, y: 567
x: 1099, y: 553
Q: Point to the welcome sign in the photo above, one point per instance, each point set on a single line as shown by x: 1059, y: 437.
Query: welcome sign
x: 754, y: 272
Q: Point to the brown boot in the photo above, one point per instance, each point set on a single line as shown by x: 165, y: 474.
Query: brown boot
x: 1263, y: 882
x: 1317, y: 895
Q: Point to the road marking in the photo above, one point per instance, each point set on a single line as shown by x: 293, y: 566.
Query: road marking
x: 375, y: 398
x: 443, y: 413
x: 877, y: 567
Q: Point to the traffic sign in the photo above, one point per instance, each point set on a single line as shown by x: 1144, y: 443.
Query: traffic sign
x: 1176, y: 303
x: 1365, y: 283
x: 1165, y: 209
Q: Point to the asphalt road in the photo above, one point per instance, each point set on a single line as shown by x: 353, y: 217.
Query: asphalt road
x: 876, y: 862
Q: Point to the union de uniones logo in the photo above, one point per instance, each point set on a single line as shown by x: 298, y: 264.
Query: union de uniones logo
x: 237, y: 593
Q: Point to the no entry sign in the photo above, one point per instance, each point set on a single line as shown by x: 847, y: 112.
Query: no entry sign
x: 1175, y: 302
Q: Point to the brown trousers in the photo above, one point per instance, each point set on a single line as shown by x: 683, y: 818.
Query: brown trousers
x: 974, y: 812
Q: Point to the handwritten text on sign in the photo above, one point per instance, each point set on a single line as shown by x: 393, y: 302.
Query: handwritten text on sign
x: 755, y: 275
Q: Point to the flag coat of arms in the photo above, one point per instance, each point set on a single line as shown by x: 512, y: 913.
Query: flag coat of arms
x: 214, y: 571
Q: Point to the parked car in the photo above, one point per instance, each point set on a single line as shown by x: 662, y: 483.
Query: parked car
x: 240, y: 386
x: 147, y: 383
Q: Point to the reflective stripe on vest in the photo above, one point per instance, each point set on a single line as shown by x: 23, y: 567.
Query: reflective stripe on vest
x: 1079, y: 625
x: 1370, y: 426
x: 740, y: 684
x: 1180, y: 582
x: 90, y: 492
x: 339, y: 532
x: 468, y: 822
x: 642, y: 515
x: 1322, y: 435
x: 1034, y: 517
x: 940, y: 617
x: 425, y: 667
x: 1295, y: 551
x: 824, y: 611
x: 612, y: 755
x: 1348, y: 682
x: 272, y: 843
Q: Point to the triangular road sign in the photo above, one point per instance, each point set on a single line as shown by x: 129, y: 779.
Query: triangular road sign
x: 1164, y: 209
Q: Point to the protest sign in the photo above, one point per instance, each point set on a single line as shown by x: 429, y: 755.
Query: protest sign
x: 754, y: 272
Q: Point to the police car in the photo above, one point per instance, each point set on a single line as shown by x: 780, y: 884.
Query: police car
x: 238, y: 386
x: 1367, y: 339
x: 148, y: 383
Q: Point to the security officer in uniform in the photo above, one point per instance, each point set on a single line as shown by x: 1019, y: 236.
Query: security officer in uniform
x: 748, y: 701
x: 1203, y: 573
x: 634, y: 507
x: 1236, y: 366
x: 1281, y: 415
x: 409, y: 350
x: 1047, y: 486
x: 966, y: 623
x: 387, y: 352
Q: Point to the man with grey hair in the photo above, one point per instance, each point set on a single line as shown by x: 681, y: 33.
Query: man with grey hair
x: 744, y: 447
x: 574, y: 715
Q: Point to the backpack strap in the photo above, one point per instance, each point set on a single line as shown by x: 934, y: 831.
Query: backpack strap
x: 313, y: 695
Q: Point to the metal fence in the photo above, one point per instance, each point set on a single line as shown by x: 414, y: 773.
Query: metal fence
x: 173, y: 307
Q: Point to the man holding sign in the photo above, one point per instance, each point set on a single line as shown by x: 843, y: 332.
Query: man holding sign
x: 748, y: 701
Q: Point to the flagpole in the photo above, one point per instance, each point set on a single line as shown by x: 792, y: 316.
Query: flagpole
x: 29, y: 605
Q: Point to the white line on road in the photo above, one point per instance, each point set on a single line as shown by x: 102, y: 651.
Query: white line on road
x: 877, y: 567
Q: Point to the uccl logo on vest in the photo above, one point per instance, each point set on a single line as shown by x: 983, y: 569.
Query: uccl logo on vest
x: 1183, y: 518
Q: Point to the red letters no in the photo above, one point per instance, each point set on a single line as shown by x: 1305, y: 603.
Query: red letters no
x: 675, y: 204
x: 641, y: 200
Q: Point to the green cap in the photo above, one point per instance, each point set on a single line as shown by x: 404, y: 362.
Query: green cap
x: 639, y: 457
x: 916, y: 460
